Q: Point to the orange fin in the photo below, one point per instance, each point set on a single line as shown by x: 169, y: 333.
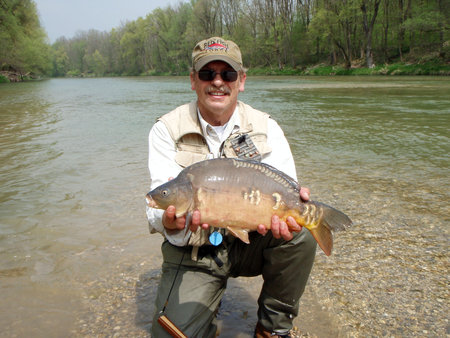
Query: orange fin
x: 324, y: 238
x: 331, y: 220
x: 242, y: 234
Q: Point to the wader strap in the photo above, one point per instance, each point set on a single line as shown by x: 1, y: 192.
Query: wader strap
x: 209, y: 250
x: 217, y: 259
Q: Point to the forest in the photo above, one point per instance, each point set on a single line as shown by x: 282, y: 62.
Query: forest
x: 275, y: 37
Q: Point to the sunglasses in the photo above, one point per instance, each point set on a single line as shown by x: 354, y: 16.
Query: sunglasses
x: 209, y: 75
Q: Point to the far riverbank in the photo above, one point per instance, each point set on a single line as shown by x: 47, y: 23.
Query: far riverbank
x: 404, y: 69
x: 428, y: 68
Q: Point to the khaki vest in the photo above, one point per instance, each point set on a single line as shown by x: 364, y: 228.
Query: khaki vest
x: 185, y: 129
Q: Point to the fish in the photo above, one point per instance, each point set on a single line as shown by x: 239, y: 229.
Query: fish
x: 238, y: 195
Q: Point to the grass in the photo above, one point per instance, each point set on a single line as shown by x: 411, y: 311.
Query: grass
x: 3, y: 79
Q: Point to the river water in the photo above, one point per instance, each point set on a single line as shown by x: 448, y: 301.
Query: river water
x: 76, y: 258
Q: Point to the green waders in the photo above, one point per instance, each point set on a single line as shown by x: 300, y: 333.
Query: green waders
x: 199, y: 286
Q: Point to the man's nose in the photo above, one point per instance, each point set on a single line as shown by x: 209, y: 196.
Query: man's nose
x: 218, y: 79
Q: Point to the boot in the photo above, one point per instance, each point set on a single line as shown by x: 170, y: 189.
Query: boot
x: 261, y: 332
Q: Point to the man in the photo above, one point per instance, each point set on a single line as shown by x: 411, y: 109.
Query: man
x: 195, y: 272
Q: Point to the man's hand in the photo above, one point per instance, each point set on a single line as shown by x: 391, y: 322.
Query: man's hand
x: 170, y: 221
x: 279, y: 228
x: 173, y: 223
x: 304, y: 194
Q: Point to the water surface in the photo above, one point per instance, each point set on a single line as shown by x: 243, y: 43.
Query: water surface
x: 75, y: 254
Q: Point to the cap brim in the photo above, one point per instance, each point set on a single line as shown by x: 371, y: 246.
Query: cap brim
x: 207, y: 59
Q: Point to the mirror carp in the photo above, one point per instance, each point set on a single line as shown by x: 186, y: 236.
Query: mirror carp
x: 240, y: 194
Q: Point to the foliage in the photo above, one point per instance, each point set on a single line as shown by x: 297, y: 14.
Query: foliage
x: 275, y: 36
x: 24, y: 48
x: 3, y: 79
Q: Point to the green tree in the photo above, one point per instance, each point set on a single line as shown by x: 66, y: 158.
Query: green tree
x: 23, y: 41
x: 60, y: 61
x: 271, y: 33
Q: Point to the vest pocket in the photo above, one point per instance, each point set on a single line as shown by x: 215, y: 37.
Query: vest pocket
x: 185, y: 158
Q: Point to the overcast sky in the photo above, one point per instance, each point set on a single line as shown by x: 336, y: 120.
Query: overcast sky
x: 66, y: 17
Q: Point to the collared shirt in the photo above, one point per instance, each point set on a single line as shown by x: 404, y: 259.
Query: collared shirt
x: 162, y: 165
x: 215, y: 136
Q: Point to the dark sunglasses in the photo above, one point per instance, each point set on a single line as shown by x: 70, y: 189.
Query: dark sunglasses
x: 209, y: 75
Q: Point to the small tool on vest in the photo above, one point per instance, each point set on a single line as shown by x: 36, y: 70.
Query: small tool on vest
x: 244, y: 148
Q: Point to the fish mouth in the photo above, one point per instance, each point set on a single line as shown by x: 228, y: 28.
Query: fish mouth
x: 150, y: 201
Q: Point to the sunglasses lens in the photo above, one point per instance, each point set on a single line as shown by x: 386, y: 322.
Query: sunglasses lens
x: 206, y: 74
x: 209, y: 75
x: 229, y: 75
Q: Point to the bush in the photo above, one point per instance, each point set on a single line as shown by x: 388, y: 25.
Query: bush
x: 3, y: 79
x: 73, y: 73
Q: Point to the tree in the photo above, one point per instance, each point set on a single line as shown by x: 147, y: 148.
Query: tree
x: 336, y: 23
x: 23, y: 41
x: 368, y: 24
x: 270, y: 33
x: 404, y: 9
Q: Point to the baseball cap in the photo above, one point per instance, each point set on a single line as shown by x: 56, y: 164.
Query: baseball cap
x: 216, y: 49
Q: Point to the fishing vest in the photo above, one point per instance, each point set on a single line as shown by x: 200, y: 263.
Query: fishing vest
x: 249, y: 142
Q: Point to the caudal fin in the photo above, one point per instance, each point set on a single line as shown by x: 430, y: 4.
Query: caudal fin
x: 331, y: 220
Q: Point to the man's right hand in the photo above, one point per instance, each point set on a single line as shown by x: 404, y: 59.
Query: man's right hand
x: 173, y: 223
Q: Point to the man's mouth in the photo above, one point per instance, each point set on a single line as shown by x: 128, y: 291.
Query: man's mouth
x: 217, y: 91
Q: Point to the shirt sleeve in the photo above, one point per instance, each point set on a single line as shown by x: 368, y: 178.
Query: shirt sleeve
x: 281, y: 156
x: 162, y: 166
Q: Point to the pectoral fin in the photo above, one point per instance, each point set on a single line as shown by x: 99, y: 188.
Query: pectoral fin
x: 242, y: 234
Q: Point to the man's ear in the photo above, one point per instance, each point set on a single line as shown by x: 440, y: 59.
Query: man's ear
x: 242, y: 79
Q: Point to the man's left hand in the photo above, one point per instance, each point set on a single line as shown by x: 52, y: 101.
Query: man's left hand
x: 281, y: 229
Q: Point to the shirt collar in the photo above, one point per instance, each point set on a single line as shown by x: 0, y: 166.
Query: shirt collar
x: 233, y: 125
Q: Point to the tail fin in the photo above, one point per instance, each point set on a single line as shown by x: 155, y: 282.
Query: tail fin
x: 331, y: 220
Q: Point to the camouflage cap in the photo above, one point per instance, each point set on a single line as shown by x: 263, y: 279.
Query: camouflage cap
x: 216, y: 49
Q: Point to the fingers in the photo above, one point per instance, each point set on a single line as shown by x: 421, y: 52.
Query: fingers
x: 304, y: 194
x: 280, y: 229
x: 168, y: 218
x: 170, y: 221
x: 196, y: 222
x: 293, y: 225
x: 275, y: 226
x: 262, y: 229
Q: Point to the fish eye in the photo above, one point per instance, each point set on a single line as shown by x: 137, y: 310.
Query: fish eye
x: 165, y: 192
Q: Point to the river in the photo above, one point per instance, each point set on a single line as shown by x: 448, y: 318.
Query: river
x: 76, y: 258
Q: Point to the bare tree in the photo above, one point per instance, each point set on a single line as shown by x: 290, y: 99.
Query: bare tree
x: 368, y: 24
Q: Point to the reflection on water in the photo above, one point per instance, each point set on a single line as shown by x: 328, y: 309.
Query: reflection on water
x: 73, y: 173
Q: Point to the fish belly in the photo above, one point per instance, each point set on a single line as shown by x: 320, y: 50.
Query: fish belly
x: 237, y: 208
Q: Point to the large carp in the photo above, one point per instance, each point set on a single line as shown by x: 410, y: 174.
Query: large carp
x: 239, y: 195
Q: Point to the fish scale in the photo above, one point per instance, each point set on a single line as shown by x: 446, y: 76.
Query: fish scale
x: 241, y: 194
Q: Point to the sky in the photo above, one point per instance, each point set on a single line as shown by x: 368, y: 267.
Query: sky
x: 67, y: 17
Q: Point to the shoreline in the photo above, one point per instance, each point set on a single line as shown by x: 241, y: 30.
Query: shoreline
x: 394, y: 69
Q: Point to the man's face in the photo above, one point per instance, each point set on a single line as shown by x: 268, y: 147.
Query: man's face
x: 217, y: 98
